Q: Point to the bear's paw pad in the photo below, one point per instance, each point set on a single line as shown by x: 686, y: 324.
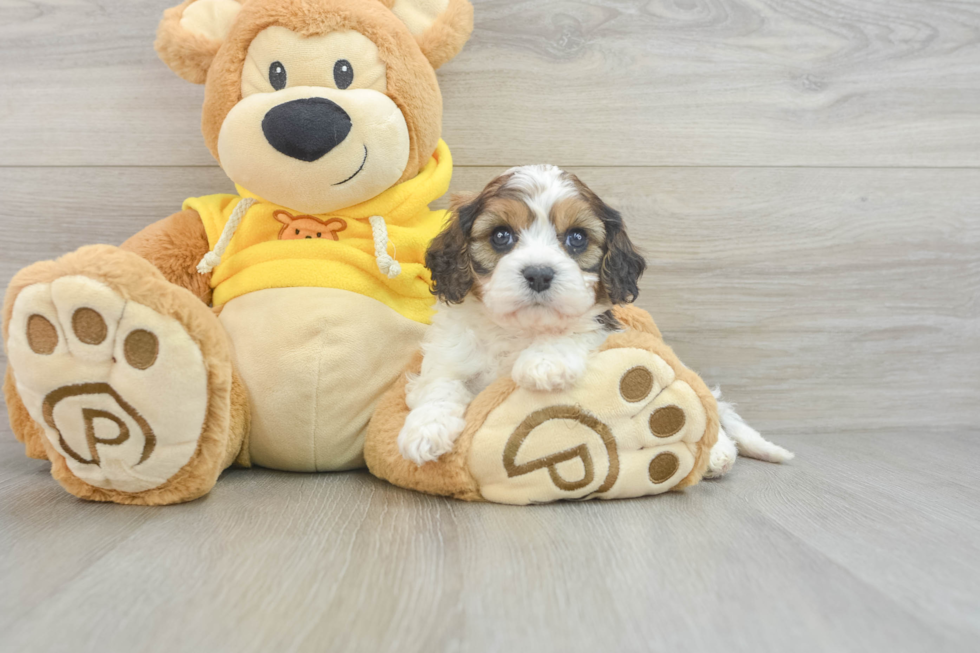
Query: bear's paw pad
x: 629, y: 428
x: 120, y: 390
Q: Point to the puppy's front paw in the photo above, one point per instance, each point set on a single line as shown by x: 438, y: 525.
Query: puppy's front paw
x: 428, y: 433
x: 536, y: 370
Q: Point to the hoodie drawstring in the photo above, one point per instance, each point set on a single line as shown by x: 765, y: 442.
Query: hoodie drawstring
x: 388, y: 265
x: 212, y: 258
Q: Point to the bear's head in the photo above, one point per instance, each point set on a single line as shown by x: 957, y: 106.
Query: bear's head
x: 317, y: 105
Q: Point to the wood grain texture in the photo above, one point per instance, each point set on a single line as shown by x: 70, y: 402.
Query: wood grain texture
x: 821, y: 300
x: 855, y: 546
x: 600, y: 82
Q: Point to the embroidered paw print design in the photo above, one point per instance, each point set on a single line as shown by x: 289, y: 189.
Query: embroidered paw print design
x: 579, y: 453
x: 120, y: 390
x: 629, y: 428
x: 306, y: 226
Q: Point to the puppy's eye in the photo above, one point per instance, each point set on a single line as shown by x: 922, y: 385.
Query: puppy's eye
x: 502, y: 238
x: 277, y: 75
x: 576, y: 240
x: 343, y: 74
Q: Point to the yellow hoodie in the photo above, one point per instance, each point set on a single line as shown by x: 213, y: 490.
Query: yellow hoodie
x: 276, y: 247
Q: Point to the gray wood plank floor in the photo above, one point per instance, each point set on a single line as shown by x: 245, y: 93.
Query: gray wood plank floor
x: 804, y: 178
x: 867, y: 542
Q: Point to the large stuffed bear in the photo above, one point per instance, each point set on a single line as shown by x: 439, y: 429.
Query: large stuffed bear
x: 263, y: 327
x: 268, y: 327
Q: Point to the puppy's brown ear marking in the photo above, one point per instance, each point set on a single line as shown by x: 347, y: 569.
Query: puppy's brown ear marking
x: 448, y: 257
x: 622, y: 266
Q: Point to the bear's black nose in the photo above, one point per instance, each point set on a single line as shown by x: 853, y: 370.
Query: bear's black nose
x: 306, y: 129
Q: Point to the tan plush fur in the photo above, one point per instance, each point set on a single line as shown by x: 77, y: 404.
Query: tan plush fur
x: 411, y: 78
x: 25, y: 429
x: 137, y: 280
x: 449, y: 476
x: 446, y: 37
x: 636, y: 319
x: 175, y: 245
x: 188, y: 55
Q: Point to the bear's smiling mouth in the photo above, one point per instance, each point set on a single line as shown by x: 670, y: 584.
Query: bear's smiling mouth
x: 358, y: 171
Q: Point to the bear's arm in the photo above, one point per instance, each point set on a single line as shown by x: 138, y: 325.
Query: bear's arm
x: 176, y: 245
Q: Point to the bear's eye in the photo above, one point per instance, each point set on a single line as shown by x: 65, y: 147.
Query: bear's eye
x: 297, y: 232
x: 343, y: 74
x: 318, y: 234
x: 277, y: 75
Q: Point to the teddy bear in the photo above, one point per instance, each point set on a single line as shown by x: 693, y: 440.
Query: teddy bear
x: 220, y: 335
x: 278, y: 326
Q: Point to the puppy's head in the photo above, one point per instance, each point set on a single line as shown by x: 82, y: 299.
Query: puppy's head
x: 538, y: 248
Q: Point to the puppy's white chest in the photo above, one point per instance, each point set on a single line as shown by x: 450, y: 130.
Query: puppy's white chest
x: 498, y: 357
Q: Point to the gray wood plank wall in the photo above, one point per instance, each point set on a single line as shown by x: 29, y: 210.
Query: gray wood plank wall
x: 803, y: 176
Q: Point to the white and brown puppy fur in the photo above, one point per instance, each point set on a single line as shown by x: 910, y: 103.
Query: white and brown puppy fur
x: 526, y: 273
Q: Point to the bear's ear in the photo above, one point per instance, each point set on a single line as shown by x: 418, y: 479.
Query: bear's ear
x: 282, y: 217
x: 191, y: 33
x: 441, y: 27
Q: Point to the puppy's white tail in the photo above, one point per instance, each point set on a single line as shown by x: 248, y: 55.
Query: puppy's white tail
x: 750, y: 442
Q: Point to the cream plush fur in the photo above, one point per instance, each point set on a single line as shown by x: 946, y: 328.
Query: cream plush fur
x: 278, y: 333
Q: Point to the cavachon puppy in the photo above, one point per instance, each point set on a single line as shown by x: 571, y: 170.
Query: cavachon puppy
x: 526, y: 273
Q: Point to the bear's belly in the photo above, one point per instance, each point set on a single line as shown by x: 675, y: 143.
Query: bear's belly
x: 315, y: 362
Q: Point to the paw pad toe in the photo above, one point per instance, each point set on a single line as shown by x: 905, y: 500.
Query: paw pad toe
x: 42, y: 336
x: 89, y: 326
x: 663, y: 467
x: 636, y: 384
x: 141, y: 349
x: 667, y: 421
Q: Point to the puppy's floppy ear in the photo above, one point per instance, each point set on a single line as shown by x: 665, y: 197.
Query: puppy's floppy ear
x: 448, y: 257
x: 190, y: 34
x: 622, y: 265
x: 441, y: 27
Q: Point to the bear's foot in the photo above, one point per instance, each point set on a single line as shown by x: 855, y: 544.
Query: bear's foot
x: 629, y: 428
x: 121, y: 388
x: 636, y: 423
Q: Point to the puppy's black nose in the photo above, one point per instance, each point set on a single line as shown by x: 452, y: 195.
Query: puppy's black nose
x: 306, y: 129
x: 539, y: 277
